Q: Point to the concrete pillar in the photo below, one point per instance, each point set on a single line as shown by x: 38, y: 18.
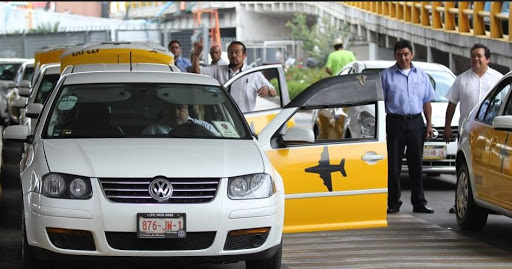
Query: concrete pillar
x: 373, y: 51
x: 430, y: 58
x: 451, y: 62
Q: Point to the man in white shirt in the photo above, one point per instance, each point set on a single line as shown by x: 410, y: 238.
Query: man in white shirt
x: 469, y: 88
x: 244, y: 91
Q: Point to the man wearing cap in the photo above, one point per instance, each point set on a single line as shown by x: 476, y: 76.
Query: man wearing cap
x: 338, y: 58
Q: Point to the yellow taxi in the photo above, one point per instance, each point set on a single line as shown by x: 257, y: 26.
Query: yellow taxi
x: 484, y: 164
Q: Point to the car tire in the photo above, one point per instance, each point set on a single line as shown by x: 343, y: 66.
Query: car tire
x: 272, y: 263
x: 470, y: 216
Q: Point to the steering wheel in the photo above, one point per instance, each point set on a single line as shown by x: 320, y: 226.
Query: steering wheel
x: 190, y: 129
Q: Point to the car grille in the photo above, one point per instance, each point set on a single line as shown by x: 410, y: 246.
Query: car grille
x: 440, y: 131
x: 129, y: 241
x: 185, y: 190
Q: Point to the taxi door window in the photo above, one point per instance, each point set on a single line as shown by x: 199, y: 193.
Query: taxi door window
x: 343, y: 123
x: 492, y: 103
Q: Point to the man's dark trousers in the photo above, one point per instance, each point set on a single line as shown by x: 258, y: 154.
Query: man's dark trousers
x: 403, y: 132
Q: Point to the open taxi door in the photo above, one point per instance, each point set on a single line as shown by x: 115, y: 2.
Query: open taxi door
x: 330, y: 184
x: 266, y: 108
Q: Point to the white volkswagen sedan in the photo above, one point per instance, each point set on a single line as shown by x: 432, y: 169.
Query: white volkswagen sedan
x: 117, y: 167
x: 438, y: 157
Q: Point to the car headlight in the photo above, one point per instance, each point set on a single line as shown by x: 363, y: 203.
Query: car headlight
x: 64, y: 186
x: 253, y: 186
x: 367, y: 122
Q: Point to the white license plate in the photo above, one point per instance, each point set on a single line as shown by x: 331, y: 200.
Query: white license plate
x: 433, y: 152
x: 161, y: 225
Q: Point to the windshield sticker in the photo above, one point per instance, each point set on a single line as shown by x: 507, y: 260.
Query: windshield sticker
x: 67, y: 103
x: 226, y: 129
x: 212, y: 89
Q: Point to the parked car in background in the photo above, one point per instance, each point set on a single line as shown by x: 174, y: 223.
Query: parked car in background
x: 438, y: 157
x: 12, y: 150
x: 8, y: 69
x: 23, y: 79
x: 484, y: 170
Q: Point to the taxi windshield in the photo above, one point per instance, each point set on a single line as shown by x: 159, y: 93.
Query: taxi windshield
x: 144, y: 110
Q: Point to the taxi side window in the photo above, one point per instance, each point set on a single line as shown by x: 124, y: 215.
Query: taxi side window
x: 508, y: 106
x: 492, y: 104
x: 344, y: 123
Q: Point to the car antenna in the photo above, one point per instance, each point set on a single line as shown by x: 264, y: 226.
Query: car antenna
x: 130, y: 61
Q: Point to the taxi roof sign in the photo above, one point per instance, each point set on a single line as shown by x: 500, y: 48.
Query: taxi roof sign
x: 116, y: 52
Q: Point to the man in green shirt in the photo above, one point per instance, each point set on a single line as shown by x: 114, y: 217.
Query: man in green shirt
x: 338, y: 59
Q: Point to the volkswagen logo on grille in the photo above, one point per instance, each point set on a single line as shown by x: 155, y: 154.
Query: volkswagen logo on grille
x: 160, y: 189
x: 435, y: 133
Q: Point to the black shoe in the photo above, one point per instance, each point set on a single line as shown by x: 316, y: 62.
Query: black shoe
x: 423, y: 209
x: 393, y: 209
x: 452, y: 210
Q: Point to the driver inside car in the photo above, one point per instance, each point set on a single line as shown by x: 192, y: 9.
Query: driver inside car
x: 173, y: 115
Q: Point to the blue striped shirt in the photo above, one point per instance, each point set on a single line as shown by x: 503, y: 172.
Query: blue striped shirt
x: 406, y: 94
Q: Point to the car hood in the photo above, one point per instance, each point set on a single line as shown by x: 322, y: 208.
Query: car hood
x: 439, y: 114
x: 144, y: 157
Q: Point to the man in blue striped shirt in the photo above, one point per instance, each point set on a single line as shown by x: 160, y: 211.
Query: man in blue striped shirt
x: 407, y: 94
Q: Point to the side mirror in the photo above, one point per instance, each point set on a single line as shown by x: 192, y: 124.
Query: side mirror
x: 33, y: 110
x: 502, y: 123
x: 25, y: 84
x: 299, y: 135
x: 25, y: 92
x: 20, y: 102
x: 16, y: 132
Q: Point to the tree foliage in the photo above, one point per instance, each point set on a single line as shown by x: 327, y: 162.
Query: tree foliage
x: 45, y: 28
x: 317, y: 40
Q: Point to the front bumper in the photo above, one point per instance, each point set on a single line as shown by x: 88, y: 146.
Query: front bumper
x: 98, y: 227
x: 437, y: 166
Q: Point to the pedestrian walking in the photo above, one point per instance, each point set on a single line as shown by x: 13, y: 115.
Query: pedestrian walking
x: 469, y: 88
x: 338, y: 58
x: 407, y: 94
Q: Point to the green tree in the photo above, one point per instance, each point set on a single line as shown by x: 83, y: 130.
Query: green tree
x: 317, y: 39
x: 45, y: 28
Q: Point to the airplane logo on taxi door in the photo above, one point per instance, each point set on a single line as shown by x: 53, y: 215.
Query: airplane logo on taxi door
x: 324, y: 168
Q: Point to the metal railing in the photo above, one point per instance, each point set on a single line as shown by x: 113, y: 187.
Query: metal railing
x: 478, y: 18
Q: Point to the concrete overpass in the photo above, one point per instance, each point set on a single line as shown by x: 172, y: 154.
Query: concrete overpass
x: 441, y: 32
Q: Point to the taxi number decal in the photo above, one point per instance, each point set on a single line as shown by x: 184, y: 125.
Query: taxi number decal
x: 83, y: 52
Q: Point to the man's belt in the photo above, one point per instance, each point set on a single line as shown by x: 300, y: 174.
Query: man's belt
x: 404, y: 117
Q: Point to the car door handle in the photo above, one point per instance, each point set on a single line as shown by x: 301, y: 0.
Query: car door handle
x: 372, y: 157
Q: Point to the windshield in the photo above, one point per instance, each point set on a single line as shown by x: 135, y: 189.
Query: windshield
x: 45, y: 88
x: 29, y: 71
x: 441, y: 81
x: 8, y: 71
x: 144, y: 110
